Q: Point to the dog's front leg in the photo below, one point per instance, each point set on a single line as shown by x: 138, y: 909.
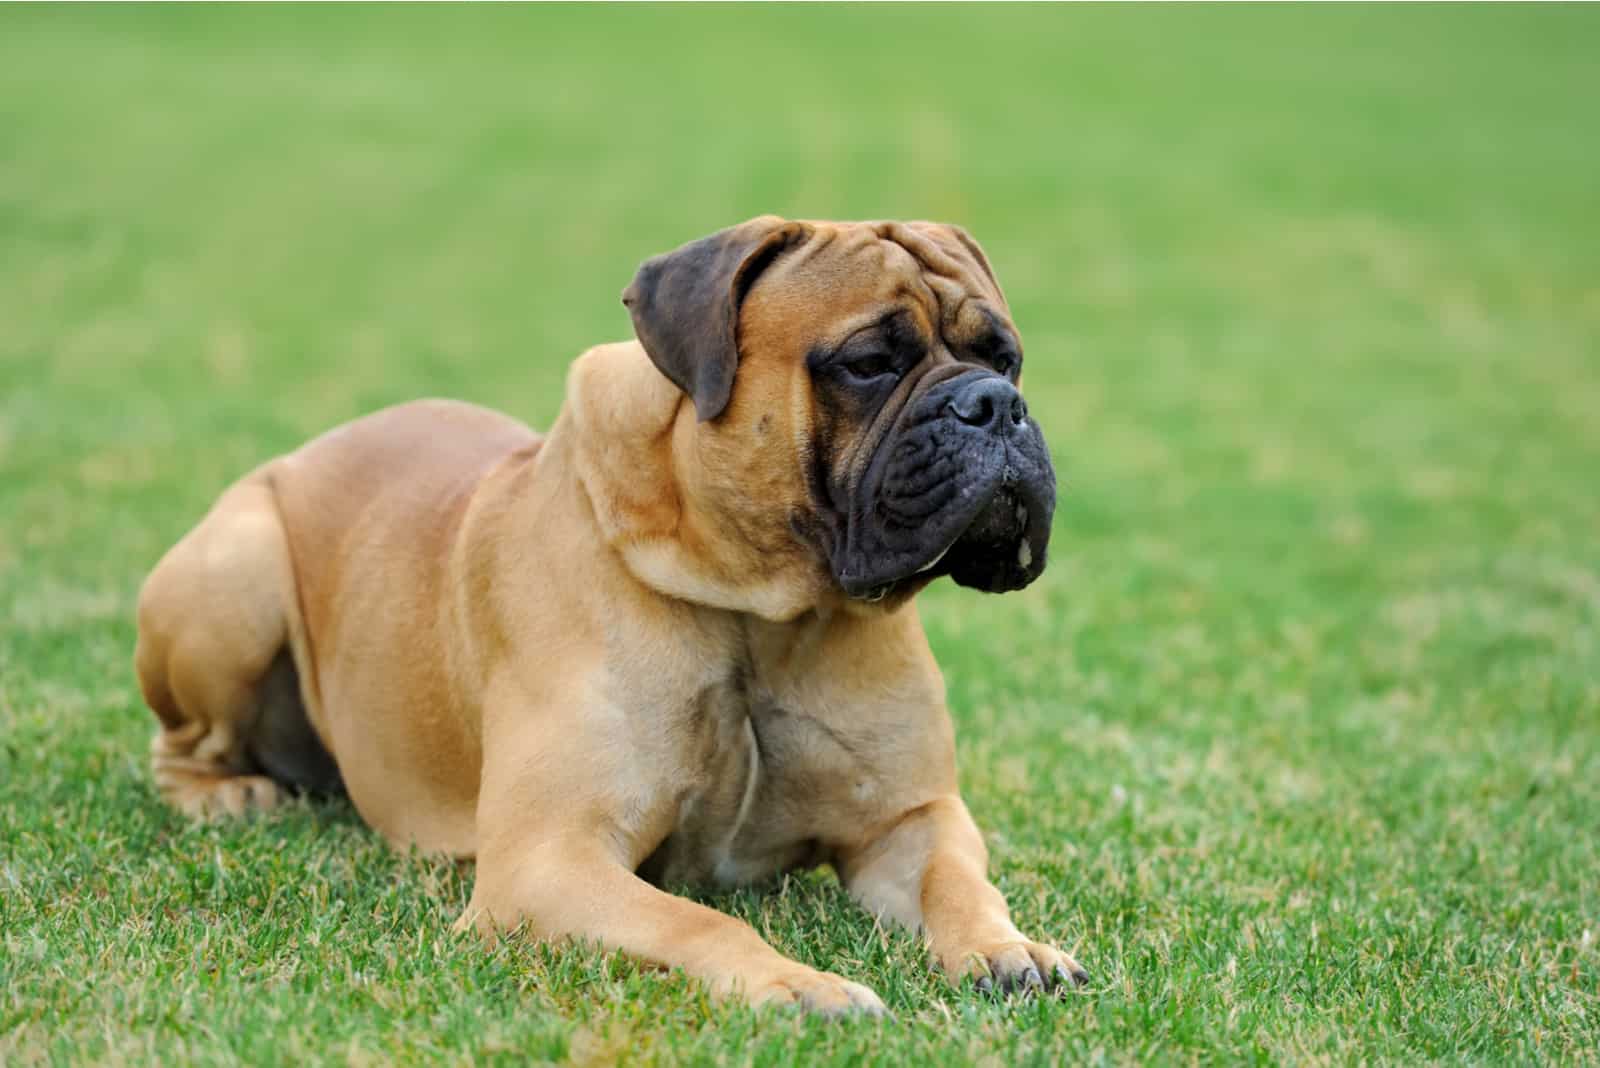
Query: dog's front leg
x: 554, y: 858
x: 928, y: 872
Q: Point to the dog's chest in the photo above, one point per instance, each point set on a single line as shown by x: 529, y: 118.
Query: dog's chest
x: 775, y: 785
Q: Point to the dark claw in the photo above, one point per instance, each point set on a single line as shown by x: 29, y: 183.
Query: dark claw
x: 1077, y: 978
x: 1024, y: 982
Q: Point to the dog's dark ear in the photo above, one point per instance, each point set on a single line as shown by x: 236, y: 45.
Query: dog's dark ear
x: 685, y: 306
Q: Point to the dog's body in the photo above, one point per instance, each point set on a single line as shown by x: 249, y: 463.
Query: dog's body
x: 667, y: 642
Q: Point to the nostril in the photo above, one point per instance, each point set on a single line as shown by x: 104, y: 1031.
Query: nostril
x: 1019, y: 410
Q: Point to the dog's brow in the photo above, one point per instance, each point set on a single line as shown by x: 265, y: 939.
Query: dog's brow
x: 900, y: 330
x: 998, y: 332
x: 945, y: 280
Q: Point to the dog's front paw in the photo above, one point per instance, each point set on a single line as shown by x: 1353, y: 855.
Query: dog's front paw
x: 1017, y: 966
x: 820, y: 992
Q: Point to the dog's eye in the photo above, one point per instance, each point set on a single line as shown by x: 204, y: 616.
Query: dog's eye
x: 869, y: 366
x: 1004, y: 362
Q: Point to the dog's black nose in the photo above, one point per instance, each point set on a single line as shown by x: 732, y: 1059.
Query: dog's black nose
x: 991, y: 402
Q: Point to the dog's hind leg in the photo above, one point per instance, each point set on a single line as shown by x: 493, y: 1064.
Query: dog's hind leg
x: 214, y: 617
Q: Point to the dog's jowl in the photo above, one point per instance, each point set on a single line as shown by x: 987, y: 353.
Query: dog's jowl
x: 672, y: 640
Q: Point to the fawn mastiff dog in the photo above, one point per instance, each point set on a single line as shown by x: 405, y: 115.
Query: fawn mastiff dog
x: 671, y: 641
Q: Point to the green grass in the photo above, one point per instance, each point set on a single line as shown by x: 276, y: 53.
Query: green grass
x: 1296, y: 744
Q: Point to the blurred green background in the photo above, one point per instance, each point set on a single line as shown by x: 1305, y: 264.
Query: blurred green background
x: 1295, y: 743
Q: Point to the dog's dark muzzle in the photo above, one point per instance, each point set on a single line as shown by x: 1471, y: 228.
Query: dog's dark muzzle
x: 963, y: 487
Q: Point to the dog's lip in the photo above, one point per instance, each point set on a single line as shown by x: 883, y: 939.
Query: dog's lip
x: 1028, y: 505
x: 1024, y: 518
x: 931, y: 564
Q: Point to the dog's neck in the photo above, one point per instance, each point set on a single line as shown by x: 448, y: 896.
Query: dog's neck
x: 637, y: 458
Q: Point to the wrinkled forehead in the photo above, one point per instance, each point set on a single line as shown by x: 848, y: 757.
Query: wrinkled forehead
x: 848, y: 276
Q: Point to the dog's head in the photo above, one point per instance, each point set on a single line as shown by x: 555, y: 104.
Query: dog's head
x: 858, y: 381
